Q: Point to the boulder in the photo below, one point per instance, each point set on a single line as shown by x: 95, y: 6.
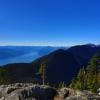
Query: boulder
x: 71, y: 94
x: 27, y: 92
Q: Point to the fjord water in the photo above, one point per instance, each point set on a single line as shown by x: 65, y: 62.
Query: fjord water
x: 22, y: 54
x: 23, y: 58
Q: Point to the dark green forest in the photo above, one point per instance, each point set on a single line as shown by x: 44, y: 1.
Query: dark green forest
x: 89, y: 78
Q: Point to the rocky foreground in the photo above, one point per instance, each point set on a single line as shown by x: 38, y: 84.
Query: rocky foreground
x: 29, y: 91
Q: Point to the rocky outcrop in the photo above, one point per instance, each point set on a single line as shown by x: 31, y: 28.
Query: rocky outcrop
x: 26, y: 92
x: 70, y: 94
x: 29, y: 91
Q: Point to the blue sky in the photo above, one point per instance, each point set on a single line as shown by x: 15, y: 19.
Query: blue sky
x: 49, y: 22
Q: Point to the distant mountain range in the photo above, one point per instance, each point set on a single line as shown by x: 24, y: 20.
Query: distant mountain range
x: 18, y: 54
x: 62, y: 65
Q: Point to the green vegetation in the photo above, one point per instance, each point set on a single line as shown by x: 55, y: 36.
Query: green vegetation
x: 92, y: 73
x: 4, y: 76
x: 90, y: 78
x: 80, y: 81
x: 61, y: 85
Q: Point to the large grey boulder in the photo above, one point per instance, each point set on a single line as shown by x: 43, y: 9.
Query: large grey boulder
x: 27, y: 92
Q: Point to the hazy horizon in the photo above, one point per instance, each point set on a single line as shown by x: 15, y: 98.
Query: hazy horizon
x: 48, y: 45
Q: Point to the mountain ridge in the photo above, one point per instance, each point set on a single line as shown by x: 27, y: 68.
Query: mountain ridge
x: 62, y: 65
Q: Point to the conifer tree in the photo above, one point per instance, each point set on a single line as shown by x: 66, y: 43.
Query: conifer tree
x: 81, y: 79
x: 42, y: 72
x: 79, y: 82
x: 92, y: 73
x: 62, y: 85
x: 89, y: 78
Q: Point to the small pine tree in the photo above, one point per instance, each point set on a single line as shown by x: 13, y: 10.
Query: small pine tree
x: 72, y: 84
x: 81, y: 79
x: 61, y: 85
x: 78, y: 82
x: 42, y: 72
x: 92, y: 73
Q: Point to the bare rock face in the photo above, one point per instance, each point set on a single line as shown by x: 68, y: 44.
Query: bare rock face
x: 26, y: 92
x: 21, y: 91
x: 70, y: 94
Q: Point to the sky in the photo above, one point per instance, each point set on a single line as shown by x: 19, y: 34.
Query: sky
x: 49, y: 22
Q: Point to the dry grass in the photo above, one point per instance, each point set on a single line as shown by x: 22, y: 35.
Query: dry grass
x: 58, y: 98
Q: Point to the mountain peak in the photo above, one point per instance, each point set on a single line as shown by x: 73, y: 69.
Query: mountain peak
x: 91, y: 45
